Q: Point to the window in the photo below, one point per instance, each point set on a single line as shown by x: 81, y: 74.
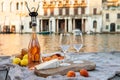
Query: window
x: 51, y: 2
x: 22, y: 27
x: 52, y: 11
x: 21, y: 5
x: 95, y: 11
x: 12, y: 28
x: 17, y: 6
x: 60, y: 11
x: 30, y: 24
x: 75, y: 1
x: 107, y: 16
x: 107, y: 26
x: 118, y: 26
x: 60, y: 2
x: 95, y: 24
x: 45, y: 11
x: 45, y: 3
x: 67, y: 11
x: 75, y: 11
x: 10, y: 6
x: 82, y: 10
x: 2, y: 6
x: 118, y: 16
x: 67, y: 2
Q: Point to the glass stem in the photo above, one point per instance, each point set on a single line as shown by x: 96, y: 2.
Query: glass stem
x: 64, y: 56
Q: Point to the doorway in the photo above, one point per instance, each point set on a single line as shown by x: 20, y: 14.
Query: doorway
x: 112, y: 27
x: 95, y: 25
x: 46, y: 25
x: 78, y: 24
x: 61, y: 25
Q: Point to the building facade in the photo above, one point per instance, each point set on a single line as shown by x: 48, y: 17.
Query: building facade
x: 53, y: 15
x: 111, y: 16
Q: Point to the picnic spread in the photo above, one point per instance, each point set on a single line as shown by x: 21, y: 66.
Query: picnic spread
x: 100, y: 66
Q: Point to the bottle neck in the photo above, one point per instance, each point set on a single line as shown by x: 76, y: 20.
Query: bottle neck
x: 34, y: 29
x: 33, y: 32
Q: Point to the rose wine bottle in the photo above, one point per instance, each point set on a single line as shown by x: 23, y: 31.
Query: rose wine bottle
x: 34, y: 56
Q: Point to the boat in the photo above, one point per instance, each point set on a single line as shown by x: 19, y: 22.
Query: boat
x: 77, y: 32
x: 45, y: 32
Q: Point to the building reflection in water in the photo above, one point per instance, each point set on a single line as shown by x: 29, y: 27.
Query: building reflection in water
x: 12, y: 43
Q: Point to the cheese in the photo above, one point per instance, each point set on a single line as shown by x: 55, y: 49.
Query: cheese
x: 48, y: 64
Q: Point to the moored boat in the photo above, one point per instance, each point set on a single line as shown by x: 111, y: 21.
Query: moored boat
x: 45, y: 32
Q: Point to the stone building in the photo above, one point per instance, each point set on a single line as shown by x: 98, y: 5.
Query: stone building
x: 54, y: 15
x: 111, y: 16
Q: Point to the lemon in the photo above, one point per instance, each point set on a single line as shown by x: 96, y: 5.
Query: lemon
x: 24, y: 62
x: 25, y: 56
x: 16, y: 60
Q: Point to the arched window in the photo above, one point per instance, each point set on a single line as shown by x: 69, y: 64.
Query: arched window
x: 21, y: 5
x: 95, y: 24
x: 17, y: 6
x: 2, y: 6
x: 10, y: 6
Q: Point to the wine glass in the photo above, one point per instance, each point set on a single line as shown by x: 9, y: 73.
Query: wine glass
x: 65, y: 44
x: 77, y: 41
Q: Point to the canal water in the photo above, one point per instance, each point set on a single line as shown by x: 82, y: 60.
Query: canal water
x: 11, y: 44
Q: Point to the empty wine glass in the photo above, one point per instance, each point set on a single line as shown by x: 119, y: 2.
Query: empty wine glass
x: 77, y: 41
x: 65, y: 44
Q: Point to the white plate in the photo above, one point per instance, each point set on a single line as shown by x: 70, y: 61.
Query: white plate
x: 78, y: 61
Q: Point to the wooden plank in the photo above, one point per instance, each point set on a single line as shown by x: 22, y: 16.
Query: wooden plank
x: 63, y: 70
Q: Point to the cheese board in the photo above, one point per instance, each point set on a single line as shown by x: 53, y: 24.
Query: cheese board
x: 62, y: 70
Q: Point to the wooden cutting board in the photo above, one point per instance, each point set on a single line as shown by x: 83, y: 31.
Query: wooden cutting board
x: 63, y: 70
